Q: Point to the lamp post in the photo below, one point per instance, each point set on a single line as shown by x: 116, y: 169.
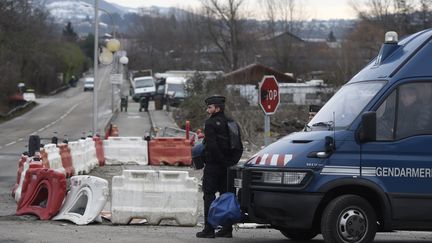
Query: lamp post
x: 106, y: 57
x: 95, y: 67
x: 112, y: 22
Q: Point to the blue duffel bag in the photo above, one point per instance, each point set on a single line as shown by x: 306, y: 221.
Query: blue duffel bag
x: 198, y: 156
x: 225, y: 210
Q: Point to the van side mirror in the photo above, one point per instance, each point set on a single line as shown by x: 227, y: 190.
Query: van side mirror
x: 368, y: 129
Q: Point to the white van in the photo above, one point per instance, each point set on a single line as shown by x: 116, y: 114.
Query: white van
x: 88, y: 83
x: 175, y: 90
x: 143, y: 87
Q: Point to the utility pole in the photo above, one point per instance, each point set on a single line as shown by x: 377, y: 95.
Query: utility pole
x: 95, y: 68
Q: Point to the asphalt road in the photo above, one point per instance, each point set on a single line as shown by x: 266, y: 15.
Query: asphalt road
x: 70, y: 113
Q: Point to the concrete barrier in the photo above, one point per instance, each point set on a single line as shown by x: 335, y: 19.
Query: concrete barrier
x: 155, y: 196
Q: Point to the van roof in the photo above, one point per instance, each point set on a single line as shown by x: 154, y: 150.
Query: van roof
x: 175, y: 80
x: 410, y: 59
x: 143, y: 77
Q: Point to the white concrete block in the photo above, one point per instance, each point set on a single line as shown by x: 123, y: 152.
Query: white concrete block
x: 85, y: 200
x: 124, y: 150
x: 155, y: 196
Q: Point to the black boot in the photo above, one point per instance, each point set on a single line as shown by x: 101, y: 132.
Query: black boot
x: 206, y: 233
x: 225, y: 232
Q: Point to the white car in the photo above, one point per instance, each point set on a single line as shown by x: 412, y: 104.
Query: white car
x: 88, y: 83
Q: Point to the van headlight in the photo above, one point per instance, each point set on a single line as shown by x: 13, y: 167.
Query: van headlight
x: 287, y: 178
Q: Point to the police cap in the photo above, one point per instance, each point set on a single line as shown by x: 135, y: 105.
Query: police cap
x: 215, y: 100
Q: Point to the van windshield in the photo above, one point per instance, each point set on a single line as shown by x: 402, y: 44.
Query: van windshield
x: 179, y: 90
x: 143, y: 83
x: 346, y: 105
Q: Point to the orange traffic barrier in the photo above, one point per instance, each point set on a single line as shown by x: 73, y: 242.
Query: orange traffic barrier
x: 44, y: 158
x: 187, y: 129
x: 30, y: 163
x: 66, y: 159
x: 43, y: 193
x: 112, y: 131
x: 100, y: 155
x: 170, y: 151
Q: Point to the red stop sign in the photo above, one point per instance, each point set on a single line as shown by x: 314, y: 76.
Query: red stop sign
x: 269, y: 97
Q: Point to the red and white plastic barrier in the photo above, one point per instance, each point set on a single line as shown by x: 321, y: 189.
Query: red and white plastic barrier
x: 85, y: 200
x: 170, y: 151
x: 43, y: 192
x: 77, y: 150
x: 154, y: 195
x: 124, y: 150
x: 90, y: 154
x: 52, y: 159
x: 66, y: 159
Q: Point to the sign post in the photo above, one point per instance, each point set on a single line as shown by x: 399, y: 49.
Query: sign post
x: 269, y: 99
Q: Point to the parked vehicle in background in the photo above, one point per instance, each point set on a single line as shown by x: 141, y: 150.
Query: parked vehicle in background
x: 143, y: 87
x: 88, y: 83
x: 175, y: 90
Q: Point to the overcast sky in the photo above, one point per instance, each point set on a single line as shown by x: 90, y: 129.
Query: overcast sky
x: 318, y: 9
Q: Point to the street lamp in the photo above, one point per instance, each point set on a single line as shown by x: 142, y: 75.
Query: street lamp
x: 124, y: 60
x: 106, y: 58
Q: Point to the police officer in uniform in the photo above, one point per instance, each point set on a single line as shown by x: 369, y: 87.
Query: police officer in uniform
x: 217, y: 151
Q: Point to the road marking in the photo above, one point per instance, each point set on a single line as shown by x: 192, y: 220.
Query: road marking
x: 20, y: 139
x: 59, y: 119
x: 9, y: 144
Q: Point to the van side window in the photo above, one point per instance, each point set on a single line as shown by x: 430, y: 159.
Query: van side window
x: 386, y: 118
x: 414, y: 112
x: 406, y: 112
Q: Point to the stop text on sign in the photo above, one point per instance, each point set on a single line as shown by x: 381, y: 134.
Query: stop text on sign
x: 269, y: 97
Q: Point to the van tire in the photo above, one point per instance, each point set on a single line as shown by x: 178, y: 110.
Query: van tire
x: 298, y: 234
x: 348, y: 219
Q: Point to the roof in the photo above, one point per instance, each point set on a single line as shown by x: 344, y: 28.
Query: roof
x: 253, y: 74
x: 280, y: 35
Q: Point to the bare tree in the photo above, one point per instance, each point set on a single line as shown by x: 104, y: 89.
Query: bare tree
x: 425, y: 13
x: 283, y: 21
x: 398, y: 15
x: 225, y: 28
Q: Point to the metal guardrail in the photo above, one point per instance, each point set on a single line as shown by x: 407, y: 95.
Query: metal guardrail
x: 60, y: 89
x: 177, y: 132
x: 16, y: 109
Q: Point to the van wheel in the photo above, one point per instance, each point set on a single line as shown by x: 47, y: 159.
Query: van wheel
x: 349, y: 219
x: 298, y: 234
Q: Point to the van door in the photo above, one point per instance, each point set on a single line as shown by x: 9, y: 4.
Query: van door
x: 401, y: 158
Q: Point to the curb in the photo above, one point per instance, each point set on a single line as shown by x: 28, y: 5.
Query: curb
x: 153, y: 128
x: 110, y: 120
